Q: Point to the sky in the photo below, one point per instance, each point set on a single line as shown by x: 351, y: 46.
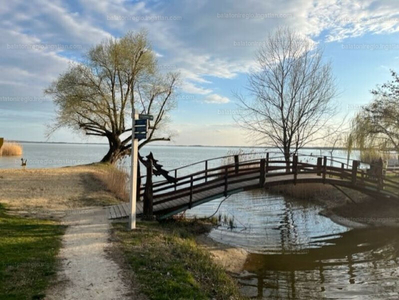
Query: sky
x: 211, y: 43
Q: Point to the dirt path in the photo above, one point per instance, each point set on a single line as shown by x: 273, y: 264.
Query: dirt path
x: 87, y: 272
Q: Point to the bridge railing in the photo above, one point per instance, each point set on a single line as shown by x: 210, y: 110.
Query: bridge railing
x: 270, y: 164
x: 274, y: 164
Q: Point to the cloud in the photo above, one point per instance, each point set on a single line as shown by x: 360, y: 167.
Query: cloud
x: 216, y: 99
x: 203, y: 46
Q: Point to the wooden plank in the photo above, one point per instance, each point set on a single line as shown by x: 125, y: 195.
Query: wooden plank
x: 118, y: 211
x: 123, y: 210
x: 126, y: 208
x: 108, y: 212
x: 112, y: 211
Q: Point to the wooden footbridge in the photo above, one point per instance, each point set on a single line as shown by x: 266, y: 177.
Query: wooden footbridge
x: 201, y: 182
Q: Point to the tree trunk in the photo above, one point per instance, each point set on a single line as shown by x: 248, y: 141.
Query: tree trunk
x: 287, y: 160
x: 115, y: 150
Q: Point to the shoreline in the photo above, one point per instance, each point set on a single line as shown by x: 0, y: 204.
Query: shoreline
x: 230, y: 258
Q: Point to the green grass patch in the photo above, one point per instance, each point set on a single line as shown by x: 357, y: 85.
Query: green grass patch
x: 28, y: 249
x: 170, y: 265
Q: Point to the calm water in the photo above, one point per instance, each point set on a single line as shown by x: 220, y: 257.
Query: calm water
x: 297, y: 254
x: 294, y: 252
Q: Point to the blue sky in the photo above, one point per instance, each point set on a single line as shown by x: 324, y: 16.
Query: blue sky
x: 211, y: 43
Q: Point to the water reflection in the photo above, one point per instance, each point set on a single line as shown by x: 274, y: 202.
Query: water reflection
x: 267, y: 223
x: 358, y: 264
x: 298, y: 254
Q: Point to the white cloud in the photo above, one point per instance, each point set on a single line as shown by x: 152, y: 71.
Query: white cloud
x: 201, y: 45
x: 216, y: 99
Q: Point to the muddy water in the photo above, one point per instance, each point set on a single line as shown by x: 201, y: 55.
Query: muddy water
x: 297, y: 254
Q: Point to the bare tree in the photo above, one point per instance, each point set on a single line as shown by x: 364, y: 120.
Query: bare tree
x: 95, y: 97
x: 291, y: 94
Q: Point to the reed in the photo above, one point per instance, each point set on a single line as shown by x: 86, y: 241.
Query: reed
x: 11, y: 149
x: 115, y: 179
x: 303, y: 191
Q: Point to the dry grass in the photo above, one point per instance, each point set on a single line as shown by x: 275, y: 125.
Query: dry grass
x: 303, y: 191
x: 11, y: 149
x: 115, y: 179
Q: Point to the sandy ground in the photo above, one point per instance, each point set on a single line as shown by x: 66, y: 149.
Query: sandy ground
x: 52, y: 192
x: 87, y: 272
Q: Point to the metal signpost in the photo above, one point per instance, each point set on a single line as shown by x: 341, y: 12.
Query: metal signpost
x: 139, y: 132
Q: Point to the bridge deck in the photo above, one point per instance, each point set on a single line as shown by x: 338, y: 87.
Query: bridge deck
x: 182, y: 203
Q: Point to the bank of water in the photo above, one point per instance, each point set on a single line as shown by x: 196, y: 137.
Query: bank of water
x: 295, y: 253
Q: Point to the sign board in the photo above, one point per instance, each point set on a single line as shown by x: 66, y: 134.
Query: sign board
x: 140, y: 122
x: 146, y: 117
x: 140, y: 136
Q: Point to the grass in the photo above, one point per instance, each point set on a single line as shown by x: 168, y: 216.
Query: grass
x: 28, y: 250
x: 170, y: 265
x: 11, y: 149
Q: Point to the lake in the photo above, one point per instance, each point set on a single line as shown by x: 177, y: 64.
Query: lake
x: 295, y: 253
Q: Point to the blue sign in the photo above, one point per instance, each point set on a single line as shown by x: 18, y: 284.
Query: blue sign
x: 140, y: 136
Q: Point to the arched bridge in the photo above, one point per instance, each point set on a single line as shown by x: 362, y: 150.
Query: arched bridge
x: 203, y: 181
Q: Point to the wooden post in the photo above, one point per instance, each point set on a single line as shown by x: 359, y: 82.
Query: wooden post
x: 133, y: 174
x: 342, y: 170
x: 380, y: 185
x: 236, y: 163
x: 176, y: 180
x: 226, y: 169
x: 354, y: 171
x: 138, y: 191
x: 267, y: 162
x: 319, y: 162
x: 191, y: 192
x: 148, y: 193
x: 295, y: 167
x: 324, y: 168
x: 206, y: 171
x: 262, y: 177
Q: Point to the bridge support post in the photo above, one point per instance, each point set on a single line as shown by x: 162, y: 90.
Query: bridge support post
x: 342, y: 170
x: 236, y: 163
x: 355, y: 165
x: 319, y: 163
x: 206, y: 171
x: 190, y: 204
x: 262, y: 178
x: 226, y: 170
x: 324, y: 168
x: 148, y: 193
x: 176, y: 180
x: 295, y: 167
x: 380, y: 184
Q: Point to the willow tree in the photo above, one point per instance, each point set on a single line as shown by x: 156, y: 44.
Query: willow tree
x: 291, y: 90
x: 95, y: 97
x: 376, y: 126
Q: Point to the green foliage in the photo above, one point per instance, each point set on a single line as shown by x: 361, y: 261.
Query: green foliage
x: 170, y: 265
x: 375, y: 128
x: 95, y: 97
x: 28, y: 250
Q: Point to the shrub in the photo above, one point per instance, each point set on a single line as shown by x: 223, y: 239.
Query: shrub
x: 11, y: 149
